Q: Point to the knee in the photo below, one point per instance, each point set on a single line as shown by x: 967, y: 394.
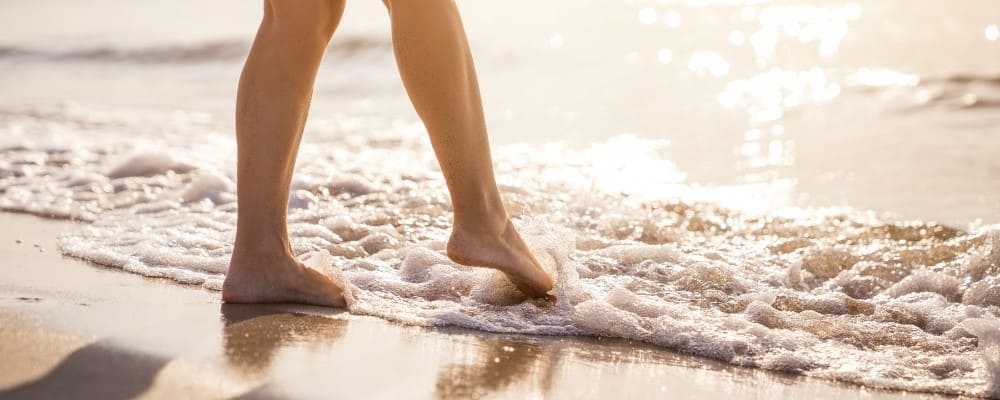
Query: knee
x: 317, y: 18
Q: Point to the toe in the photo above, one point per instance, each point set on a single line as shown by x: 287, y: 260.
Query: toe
x: 324, y: 291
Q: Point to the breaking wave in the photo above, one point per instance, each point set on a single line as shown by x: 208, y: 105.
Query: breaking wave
x: 214, y: 51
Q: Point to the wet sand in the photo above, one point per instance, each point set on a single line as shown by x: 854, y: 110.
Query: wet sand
x: 68, y: 328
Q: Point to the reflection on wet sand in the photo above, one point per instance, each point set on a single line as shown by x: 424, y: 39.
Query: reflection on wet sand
x: 494, y: 366
x: 497, y: 365
x: 488, y: 366
x: 254, y: 334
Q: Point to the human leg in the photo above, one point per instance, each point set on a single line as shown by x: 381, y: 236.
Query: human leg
x: 272, y: 104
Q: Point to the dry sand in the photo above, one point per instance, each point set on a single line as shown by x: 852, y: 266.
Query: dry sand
x: 69, y: 329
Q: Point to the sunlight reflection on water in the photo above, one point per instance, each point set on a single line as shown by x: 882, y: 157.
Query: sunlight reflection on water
x: 770, y: 61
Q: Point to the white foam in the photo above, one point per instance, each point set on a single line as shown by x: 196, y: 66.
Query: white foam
x: 917, y: 312
x: 146, y: 164
x: 985, y: 292
x: 987, y: 330
x: 212, y: 186
x: 926, y: 281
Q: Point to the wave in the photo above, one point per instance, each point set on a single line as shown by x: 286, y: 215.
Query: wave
x: 959, y: 91
x: 832, y: 293
x: 218, y: 51
x: 910, y: 93
x: 965, y: 79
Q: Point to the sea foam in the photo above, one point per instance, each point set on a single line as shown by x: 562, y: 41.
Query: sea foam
x: 831, y: 293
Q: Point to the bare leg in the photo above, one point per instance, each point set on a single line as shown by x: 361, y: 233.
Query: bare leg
x: 438, y: 72
x: 274, y: 95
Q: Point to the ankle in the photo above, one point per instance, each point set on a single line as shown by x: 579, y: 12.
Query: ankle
x: 491, y: 224
x: 261, y: 247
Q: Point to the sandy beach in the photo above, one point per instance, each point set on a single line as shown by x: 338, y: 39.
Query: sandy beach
x: 742, y: 199
x: 72, y: 329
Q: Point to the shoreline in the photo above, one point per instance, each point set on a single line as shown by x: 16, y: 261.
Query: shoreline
x: 67, y: 326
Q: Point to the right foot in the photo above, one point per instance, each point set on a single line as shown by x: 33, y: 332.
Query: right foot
x: 504, y: 251
x: 278, y: 278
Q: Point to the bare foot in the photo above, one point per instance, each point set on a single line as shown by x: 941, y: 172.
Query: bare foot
x: 504, y: 251
x: 278, y: 278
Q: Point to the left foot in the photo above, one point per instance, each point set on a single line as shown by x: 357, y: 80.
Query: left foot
x: 277, y: 277
x: 504, y: 251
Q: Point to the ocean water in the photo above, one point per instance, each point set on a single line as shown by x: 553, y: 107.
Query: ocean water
x: 751, y: 181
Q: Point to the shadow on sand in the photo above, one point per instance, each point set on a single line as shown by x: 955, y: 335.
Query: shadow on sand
x: 252, y: 336
x: 100, y: 370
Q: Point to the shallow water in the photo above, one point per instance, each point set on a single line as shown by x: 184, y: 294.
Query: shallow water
x: 817, y: 103
x: 832, y: 293
x: 695, y: 173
